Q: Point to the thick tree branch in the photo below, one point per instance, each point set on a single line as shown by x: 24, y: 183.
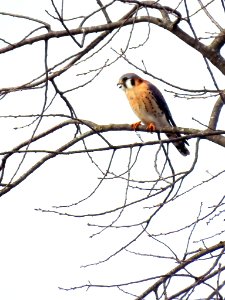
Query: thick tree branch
x: 209, y: 52
x: 58, y: 34
x: 76, y: 31
x: 219, y: 41
x: 214, y: 136
x: 216, y: 112
x: 180, y: 267
x: 114, y: 161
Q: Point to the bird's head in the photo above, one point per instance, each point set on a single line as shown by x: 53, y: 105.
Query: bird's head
x: 129, y: 81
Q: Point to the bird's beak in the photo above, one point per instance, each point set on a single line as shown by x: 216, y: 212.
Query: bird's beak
x: 120, y: 84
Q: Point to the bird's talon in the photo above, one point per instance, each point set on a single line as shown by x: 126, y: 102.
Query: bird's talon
x: 134, y: 126
x: 151, y: 127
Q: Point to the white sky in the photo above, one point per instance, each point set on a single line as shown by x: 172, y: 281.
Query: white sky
x: 41, y: 252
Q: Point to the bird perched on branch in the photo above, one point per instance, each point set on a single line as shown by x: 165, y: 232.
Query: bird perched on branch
x: 150, y: 106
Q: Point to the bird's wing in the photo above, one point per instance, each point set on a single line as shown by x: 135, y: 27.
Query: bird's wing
x: 164, y: 107
x: 161, y: 103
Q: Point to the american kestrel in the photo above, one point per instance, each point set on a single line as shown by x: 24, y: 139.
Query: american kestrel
x: 150, y: 106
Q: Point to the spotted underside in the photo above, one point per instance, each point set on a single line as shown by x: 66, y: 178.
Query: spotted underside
x: 150, y: 106
x: 145, y: 106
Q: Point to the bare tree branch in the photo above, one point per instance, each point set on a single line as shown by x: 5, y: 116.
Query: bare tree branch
x: 158, y: 199
x: 181, y: 266
x: 216, y: 113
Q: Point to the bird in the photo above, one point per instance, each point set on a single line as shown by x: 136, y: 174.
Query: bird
x: 148, y: 103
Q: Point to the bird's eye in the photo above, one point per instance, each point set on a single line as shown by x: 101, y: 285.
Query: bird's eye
x: 130, y: 83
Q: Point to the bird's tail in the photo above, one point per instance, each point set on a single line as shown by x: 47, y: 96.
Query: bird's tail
x: 180, y: 145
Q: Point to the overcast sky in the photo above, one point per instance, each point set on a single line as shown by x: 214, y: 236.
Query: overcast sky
x: 41, y: 251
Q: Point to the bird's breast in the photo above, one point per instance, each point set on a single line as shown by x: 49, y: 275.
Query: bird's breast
x: 143, y: 104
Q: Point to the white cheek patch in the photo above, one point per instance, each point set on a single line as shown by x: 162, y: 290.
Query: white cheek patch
x: 129, y: 84
x: 123, y: 87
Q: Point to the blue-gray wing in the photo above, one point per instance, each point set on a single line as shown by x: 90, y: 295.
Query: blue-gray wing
x: 161, y: 103
x: 164, y: 107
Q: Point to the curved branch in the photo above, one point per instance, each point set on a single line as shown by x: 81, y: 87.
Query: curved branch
x: 210, y: 52
x: 76, y: 31
x: 216, y: 113
x: 214, y: 136
x: 106, y: 31
x: 47, y: 26
x: 219, y: 41
x: 181, y: 266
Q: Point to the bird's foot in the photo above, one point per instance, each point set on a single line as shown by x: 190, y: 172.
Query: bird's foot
x: 134, y: 126
x: 151, y: 127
